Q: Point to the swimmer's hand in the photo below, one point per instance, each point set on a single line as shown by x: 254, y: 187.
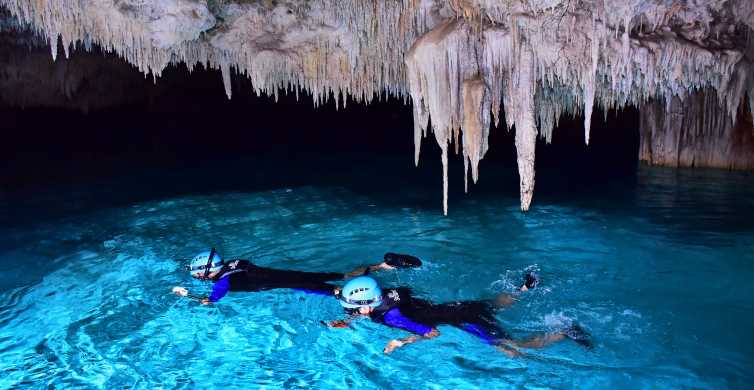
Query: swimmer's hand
x: 180, y: 291
x: 336, y: 324
x: 392, y: 345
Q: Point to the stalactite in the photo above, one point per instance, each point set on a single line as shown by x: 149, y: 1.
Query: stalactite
x: 751, y: 105
x: 476, y: 124
x: 589, y: 87
x: 456, y: 60
x: 225, y: 70
x: 522, y: 90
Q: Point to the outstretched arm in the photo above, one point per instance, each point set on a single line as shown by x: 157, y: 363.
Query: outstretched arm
x: 183, y: 292
x: 346, y: 323
x: 393, y: 344
x: 219, y: 289
x: 337, y: 323
x: 396, y: 319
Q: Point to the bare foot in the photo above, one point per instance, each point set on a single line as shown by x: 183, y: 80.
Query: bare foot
x: 504, y: 300
x: 384, y: 266
x: 357, y: 272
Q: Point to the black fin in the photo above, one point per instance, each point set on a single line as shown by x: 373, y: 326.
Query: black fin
x: 402, y: 261
x: 531, y: 280
x: 576, y: 333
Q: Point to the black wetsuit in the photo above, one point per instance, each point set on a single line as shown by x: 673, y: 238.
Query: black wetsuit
x: 242, y: 275
x: 400, y: 310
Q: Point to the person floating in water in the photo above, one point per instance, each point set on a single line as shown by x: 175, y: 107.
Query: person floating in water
x: 243, y: 275
x: 362, y: 297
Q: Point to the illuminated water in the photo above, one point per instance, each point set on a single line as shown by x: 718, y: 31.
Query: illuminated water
x: 660, y: 271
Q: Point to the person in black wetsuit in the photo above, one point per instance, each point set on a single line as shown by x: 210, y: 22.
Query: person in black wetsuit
x: 242, y: 275
x: 396, y: 308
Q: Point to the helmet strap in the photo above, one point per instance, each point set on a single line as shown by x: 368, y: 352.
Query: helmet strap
x: 209, y: 263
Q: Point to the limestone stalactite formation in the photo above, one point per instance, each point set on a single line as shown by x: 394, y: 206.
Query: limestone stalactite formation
x: 696, y: 132
x: 458, y: 60
x: 87, y: 81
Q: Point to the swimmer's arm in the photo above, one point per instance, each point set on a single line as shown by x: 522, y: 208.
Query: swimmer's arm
x: 393, y: 344
x: 346, y: 323
x: 218, y: 291
x: 337, y: 323
x: 183, y: 292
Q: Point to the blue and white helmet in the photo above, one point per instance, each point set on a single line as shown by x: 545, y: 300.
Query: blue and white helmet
x: 360, y: 292
x: 201, y: 261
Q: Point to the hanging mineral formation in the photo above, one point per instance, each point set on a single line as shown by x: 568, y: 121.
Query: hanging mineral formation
x: 458, y: 60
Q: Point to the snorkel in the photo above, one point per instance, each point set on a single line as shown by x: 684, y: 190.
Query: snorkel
x: 209, y: 263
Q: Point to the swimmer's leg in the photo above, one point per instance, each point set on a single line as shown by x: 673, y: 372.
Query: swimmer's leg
x: 509, y: 351
x: 503, y: 301
x: 539, y: 341
x: 489, y: 333
x: 390, y: 261
x: 493, y: 335
x: 397, y: 260
x: 576, y: 333
x: 573, y: 332
x: 531, y: 280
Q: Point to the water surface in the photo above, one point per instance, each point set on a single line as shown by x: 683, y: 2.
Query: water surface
x: 658, y: 268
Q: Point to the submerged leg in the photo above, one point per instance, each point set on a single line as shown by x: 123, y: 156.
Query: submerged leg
x: 539, y: 341
x: 573, y: 332
x: 503, y: 301
x: 391, y: 261
x: 531, y: 280
x: 509, y: 351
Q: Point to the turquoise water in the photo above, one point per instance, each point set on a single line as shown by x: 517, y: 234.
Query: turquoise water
x: 660, y: 270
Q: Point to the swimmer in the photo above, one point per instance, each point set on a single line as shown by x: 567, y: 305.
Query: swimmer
x: 362, y: 297
x: 242, y: 275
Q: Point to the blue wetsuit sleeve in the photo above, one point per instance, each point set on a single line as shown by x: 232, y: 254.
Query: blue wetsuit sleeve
x: 219, y: 289
x: 396, y: 319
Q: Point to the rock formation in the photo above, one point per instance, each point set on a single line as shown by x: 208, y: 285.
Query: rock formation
x: 696, y: 132
x: 458, y: 60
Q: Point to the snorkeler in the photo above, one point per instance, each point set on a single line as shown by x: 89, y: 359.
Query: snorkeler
x: 362, y: 297
x: 243, y: 275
